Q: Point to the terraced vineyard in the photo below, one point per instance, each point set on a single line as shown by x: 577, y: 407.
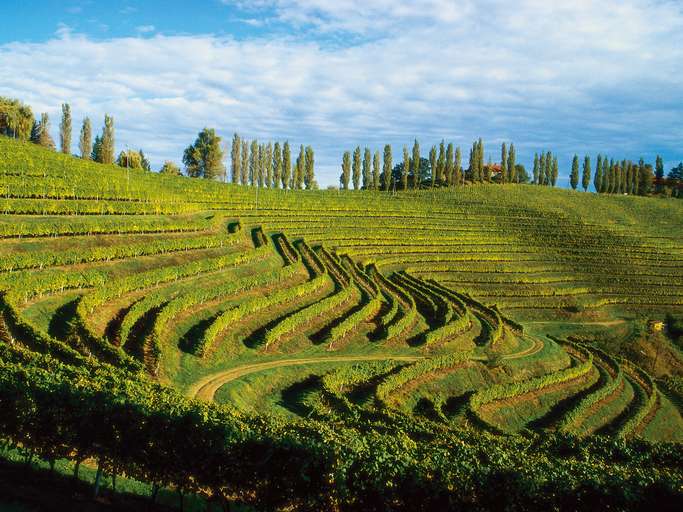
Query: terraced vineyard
x: 354, y: 322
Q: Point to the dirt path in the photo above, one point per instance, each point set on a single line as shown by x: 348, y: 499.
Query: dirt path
x: 607, y: 323
x: 206, y: 388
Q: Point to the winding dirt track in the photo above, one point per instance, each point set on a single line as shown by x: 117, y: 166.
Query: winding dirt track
x: 205, y: 388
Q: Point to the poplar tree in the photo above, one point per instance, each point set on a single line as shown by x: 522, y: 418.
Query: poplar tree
x: 513, y: 176
x: 300, y: 164
x: 541, y: 169
x: 346, y: 170
x: 268, y: 162
x: 309, y: 168
x: 646, y: 179
x: 417, y: 178
x: 659, y: 167
x: 286, y: 165
x: 503, y: 163
x: 244, y: 160
x: 638, y: 173
x: 548, y: 167
x: 617, y: 178
x: 253, y: 162
x: 597, y: 180
x: 367, y: 169
x: 432, y: 163
x: 450, y: 164
x: 65, y: 130
x: 605, y: 176
x: 440, y: 164
x: 536, y: 167
x: 473, y: 163
x: 356, y: 168
x: 458, y: 177
x: 85, y: 140
x: 277, y: 165
x: 554, y: 172
x: 480, y: 159
x: 235, y: 156
x: 107, y: 151
x: 388, y: 163
x: 406, y: 168
x: 574, y: 178
x: 586, y: 180
x: 375, y: 171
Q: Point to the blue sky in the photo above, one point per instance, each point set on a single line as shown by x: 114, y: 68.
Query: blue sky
x: 567, y: 76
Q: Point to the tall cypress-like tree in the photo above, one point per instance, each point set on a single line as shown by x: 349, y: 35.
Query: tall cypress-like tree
x: 480, y: 159
x: 406, y: 168
x: 441, y: 164
x: 85, y: 140
x: 659, y: 167
x: 268, y: 162
x: 253, y: 162
x: 300, y: 168
x: 277, y: 165
x: 548, y: 168
x: 96, y: 149
x: 309, y: 167
x: 617, y: 178
x: 450, y: 164
x: 388, y: 166
x: 458, y: 174
x: 597, y: 180
x: 513, y: 176
x: 503, y: 163
x: 605, y: 176
x: 356, y: 168
x: 554, y: 172
x: 65, y: 130
x: 536, y: 169
x: 638, y: 172
x: 235, y: 156
x: 286, y: 165
x: 244, y: 163
x: 108, y: 142
x: 574, y: 177
x: 541, y: 169
x: 432, y: 163
x: 417, y: 177
x: 586, y: 179
x: 473, y: 163
x: 346, y: 170
x: 367, y: 169
x: 375, y: 171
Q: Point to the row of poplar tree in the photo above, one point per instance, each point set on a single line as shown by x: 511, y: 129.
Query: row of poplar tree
x: 270, y: 165
x: 442, y: 169
x: 610, y: 177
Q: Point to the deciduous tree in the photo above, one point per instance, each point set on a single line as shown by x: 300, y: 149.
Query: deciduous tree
x: 204, y: 158
x: 85, y: 140
x: 65, y: 130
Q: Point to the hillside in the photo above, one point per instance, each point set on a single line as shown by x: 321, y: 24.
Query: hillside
x: 338, y: 331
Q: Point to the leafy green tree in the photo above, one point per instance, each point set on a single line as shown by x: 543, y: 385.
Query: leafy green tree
x: 676, y: 173
x: 16, y: 119
x: 503, y: 163
x: 286, y: 165
x: 170, y: 168
x: 388, y: 166
x: 605, y: 176
x: 555, y: 172
x: 574, y: 177
x: 367, y: 169
x: 513, y: 176
x: 375, y: 171
x: 277, y: 165
x: 646, y: 179
x: 586, y: 177
x: 301, y: 167
x: 41, y: 133
x: 107, y: 153
x: 260, y: 165
x: 659, y: 167
x: 204, y: 158
x: 268, y: 162
x: 597, y: 180
x: 432, y: 162
x: 521, y: 174
x: 356, y: 168
x: 406, y: 169
x: 244, y: 164
x: 85, y: 140
x: 65, y: 130
x: 309, y: 166
x: 450, y: 164
x: 548, y: 168
x: 536, y: 169
x: 97, y: 149
x: 440, y: 165
x: 417, y: 179
x: 541, y: 169
x: 144, y: 162
x: 346, y: 170
x: 472, y: 165
x: 458, y: 175
x: 235, y: 155
x: 129, y: 159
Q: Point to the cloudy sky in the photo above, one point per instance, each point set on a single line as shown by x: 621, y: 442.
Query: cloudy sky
x: 567, y: 76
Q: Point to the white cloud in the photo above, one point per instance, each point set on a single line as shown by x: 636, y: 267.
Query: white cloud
x: 144, y: 29
x: 566, y: 76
